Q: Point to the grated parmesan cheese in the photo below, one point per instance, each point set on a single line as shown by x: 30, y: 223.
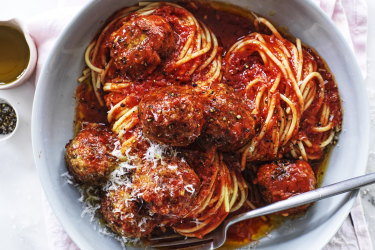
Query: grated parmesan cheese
x: 120, y: 177
x: 117, y: 150
x: 90, y: 199
x: 156, y: 153
x: 190, y: 188
x: 68, y: 178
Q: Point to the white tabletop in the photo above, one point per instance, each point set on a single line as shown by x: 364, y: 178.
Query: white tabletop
x: 21, y: 212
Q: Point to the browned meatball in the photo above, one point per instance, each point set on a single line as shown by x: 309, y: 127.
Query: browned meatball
x: 172, y: 115
x: 168, y: 188
x: 229, y: 124
x: 284, y: 179
x: 124, y: 214
x: 89, y: 155
x: 138, y: 46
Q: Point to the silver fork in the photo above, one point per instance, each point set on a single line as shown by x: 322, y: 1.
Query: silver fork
x: 217, y: 238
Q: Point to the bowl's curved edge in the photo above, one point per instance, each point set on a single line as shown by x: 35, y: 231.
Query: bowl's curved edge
x: 36, y: 144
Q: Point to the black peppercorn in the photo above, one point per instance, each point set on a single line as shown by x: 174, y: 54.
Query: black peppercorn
x: 8, y: 119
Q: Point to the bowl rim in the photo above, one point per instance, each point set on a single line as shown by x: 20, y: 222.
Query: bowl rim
x: 360, y: 169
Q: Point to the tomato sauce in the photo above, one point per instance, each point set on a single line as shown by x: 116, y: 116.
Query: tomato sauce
x: 229, y: 25
x: 88, y: 108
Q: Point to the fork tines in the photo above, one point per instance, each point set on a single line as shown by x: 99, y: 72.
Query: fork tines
x: 179, y: 241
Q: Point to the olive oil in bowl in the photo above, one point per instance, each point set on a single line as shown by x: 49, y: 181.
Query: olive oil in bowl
x: 14, y: 54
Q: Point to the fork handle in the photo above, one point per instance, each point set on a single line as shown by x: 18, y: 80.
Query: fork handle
x: 305, y: 198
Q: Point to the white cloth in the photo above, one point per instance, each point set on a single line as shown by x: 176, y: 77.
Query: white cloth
x: 57, y: 239
x: 353, y: 233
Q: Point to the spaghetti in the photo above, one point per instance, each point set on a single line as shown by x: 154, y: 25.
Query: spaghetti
x: 197, y: 60
x: 193, y: 129
x: 296, y: 108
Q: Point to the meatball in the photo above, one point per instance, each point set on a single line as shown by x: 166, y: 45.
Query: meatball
x: 89, y: 155
x: 168, y: 188
x: 283, y: 179
x: 139, y: 45
x: 125, y: 215
x: 172, y: 115
x: 229, y: 124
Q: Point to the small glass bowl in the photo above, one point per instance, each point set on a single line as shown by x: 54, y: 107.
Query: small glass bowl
x: 4, y: 137
x: 17, y: 24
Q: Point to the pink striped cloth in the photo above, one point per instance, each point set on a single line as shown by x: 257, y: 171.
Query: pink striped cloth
x: 350, y: 17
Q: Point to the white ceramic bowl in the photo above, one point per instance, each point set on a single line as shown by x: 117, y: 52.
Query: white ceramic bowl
x: 18, y: 25
x: 53, y: 114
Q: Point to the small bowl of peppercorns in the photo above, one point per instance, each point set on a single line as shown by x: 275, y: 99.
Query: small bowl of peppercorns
x: 8, y: 120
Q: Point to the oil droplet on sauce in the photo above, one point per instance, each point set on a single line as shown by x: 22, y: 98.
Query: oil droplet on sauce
x: 14, y: 54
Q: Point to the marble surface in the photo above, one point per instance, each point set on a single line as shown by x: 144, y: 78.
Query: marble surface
x: 21, y: 211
